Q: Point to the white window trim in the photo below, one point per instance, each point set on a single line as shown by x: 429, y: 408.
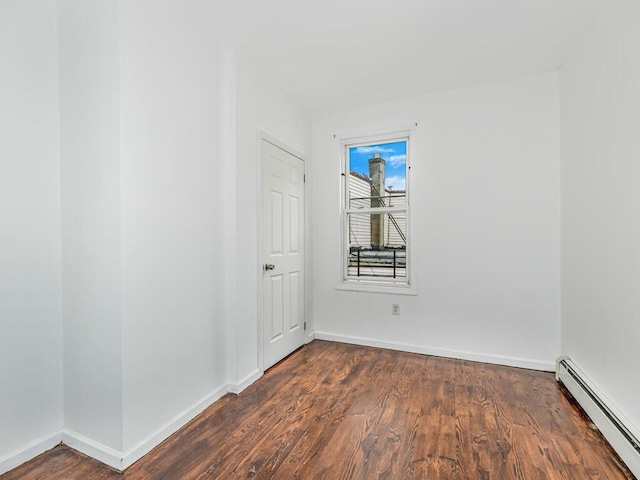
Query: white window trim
x: 378, y: 285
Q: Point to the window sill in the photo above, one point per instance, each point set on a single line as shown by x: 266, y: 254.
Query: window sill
x: 377, y: 288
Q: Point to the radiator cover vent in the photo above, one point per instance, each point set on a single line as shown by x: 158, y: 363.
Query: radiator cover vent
x: 611, y: 424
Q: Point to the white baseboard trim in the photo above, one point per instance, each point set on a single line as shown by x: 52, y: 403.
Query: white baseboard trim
x: 439, y: 352
x: 29, y: 451
x: 245, y: 382
x: 143, y: 447
x: 310, y: 337
x: 614, y: 426
x: 111, y: 457
x: 93, y: 449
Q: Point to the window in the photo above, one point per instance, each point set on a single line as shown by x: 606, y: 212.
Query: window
x: 376, y: 213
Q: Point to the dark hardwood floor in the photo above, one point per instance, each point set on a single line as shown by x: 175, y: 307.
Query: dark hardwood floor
x: 335, y: 411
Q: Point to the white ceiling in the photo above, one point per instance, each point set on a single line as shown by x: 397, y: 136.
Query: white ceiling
x: 336, y: 54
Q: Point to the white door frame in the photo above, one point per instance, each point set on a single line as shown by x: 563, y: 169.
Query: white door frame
x: 261, y: 260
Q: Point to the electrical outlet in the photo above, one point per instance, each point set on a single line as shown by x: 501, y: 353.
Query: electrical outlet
x: 395, y: 309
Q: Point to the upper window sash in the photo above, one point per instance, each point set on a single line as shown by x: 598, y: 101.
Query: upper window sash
x: 382, y: 193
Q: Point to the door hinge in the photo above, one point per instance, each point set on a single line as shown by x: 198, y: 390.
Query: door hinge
x: 305, y: 325
x: 304, y: 178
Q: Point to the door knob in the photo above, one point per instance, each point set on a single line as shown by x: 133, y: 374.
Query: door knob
x: 269, y: 266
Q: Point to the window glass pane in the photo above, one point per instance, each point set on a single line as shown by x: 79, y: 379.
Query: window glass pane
x: 377, y: 175
x: 377, y: 245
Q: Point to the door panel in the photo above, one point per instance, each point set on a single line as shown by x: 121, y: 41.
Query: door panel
x: 277, y: 311
x: 294, y: 228
x: 283, y: 252
x: 277, y: 224
x: 294, y: 286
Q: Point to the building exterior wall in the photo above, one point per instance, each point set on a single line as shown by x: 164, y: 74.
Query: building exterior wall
x: 360, y: 225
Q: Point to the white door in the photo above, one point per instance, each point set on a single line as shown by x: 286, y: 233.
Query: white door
x: 283, y: 253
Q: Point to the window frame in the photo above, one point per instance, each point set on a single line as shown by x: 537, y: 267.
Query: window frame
x: 374, y: 284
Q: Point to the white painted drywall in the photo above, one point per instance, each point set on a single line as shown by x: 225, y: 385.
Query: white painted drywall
x: 173, y: 345
x: 261, y: 107
x: 190, y: 167
x: 485, y: 191
x: 192, y: 113
x: 90, y: 158
x: 600, y: 121
x: 30, y: 252
x: 226, y: 265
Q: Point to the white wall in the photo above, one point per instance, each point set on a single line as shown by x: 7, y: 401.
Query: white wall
x: 260, y: 108
x: 485, y: 233
x: 30, y: 252
x: 192, y: 112
x: 174, y: 350
x: 152, y: 291
x: 600, y: 113
x: 90, y: 159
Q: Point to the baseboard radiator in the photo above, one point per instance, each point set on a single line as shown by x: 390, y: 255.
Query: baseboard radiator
x: 611, y: 424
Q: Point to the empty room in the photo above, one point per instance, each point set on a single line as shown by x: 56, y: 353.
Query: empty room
x: 319, y: 240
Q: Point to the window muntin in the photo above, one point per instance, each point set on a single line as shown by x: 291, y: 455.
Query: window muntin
x: 376, y: 212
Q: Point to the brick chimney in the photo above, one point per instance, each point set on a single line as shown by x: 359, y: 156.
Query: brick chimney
x: 376, y: 174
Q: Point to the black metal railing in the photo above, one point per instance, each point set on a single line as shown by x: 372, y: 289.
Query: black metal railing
x: 365, y: 262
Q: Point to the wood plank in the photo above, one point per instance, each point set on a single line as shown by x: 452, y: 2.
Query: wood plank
x: 337, y: 411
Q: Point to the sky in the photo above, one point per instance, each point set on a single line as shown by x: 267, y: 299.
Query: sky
x: 395, y: 156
